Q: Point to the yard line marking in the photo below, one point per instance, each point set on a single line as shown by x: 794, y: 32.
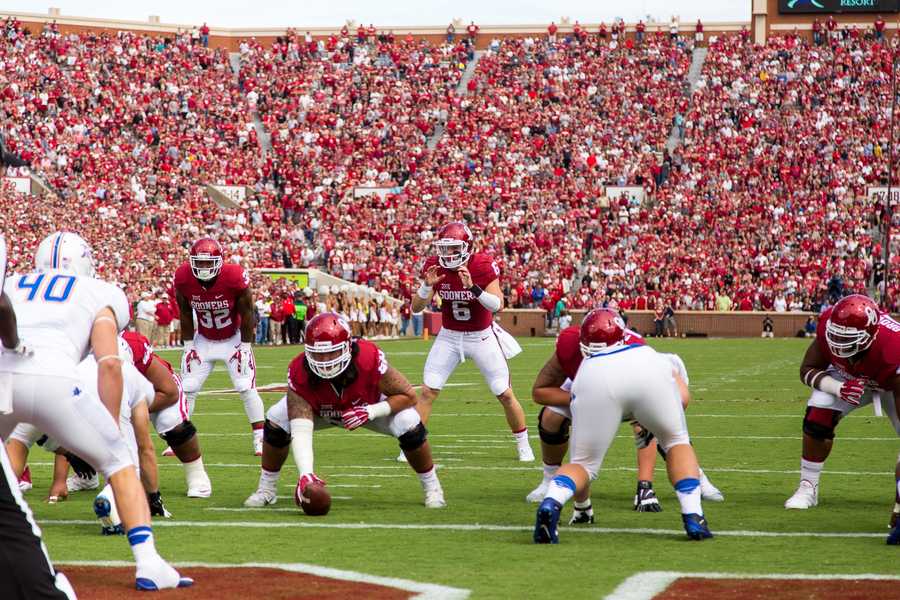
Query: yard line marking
x: 646, y: 585
x: 629, y: 436
x: 424, y: 591
x: 460, y: 527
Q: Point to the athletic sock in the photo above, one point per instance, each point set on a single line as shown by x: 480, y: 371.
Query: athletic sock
x: 429, y: 479
x: 810, y: 471
x: 141, y: 540
x: 550, y: 471
x: 688, y: 492
x: 704, y: 480
x: 268, y: 480
x: 257, y: 434
x: 194, y: 470
x: 561, y: 489
x: 583, y: 506
x: 521, y: 437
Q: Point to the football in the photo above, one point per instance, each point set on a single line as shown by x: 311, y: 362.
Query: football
x: 316, y: 501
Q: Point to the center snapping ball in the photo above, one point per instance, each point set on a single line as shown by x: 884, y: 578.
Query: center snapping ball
x: 316, y: 501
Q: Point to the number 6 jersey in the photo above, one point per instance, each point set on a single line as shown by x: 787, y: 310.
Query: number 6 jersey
x: 216, y: 305
x: 460, y: 311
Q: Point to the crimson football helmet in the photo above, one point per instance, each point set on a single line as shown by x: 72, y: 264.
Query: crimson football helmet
x: 601, y: 328
x: 852, y: 325
x: 206, y: 259
x: 327, y: 350
x: 452, y: 245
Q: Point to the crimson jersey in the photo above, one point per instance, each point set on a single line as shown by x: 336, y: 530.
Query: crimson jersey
x: 460, y: 311
x: 568, y: 348
x: 322, y: 396
x: 216, y: 306
x: 142, y: 352
x: 879, y: 363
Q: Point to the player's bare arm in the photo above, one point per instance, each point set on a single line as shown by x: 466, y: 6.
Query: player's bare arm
x: 245, y: 309
x: 140, y: 421
x: 426, y: 291
x: 814, y: 364
x: 164, y: 384
x: 813, y: 372
x: 298, y: 408
x: 8, y: 331
x: 546, y: 389
x: 400, y: 393
x: 186, y: 314
x: 105, y: 345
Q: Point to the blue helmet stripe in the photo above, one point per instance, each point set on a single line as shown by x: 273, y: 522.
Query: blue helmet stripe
x: 54, y: 257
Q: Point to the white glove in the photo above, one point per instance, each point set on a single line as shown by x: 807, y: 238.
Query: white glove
x: 246, y: 365
x: 190, y: 356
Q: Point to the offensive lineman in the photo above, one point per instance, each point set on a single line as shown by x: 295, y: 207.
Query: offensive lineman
x: 339, y: 381
x: 623, y: 381
x: 219, y: 294
x: 853, y: 362
x: 467, y: 284
x: 64, y: 312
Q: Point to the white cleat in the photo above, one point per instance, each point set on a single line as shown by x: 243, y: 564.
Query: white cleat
x: 257, y: 447
x: 538, y: 493
x: 201, y: 488
x: 402, y: 458
x: 159, y: 575
x: 168, y: 452
x: 435, y: 498
x: 526, y: 454
x: 78, y: 484
x: 261, y: 498
x: 806, y: 496
x: 709, y: 492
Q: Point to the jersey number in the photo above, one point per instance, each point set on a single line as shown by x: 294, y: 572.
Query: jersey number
x: 214, y: 319
x: 461, y: 310
x: 57, y: 289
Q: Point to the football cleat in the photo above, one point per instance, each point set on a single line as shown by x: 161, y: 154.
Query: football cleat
x: 200, y: 487
x: 25, y: 480
x: 526, y: 454
x: 261, y: 498
x: 645, y: 499
x: 546, y: 526
x: 159, y: 576
x: 582, y: 516
x: 157, y: 506
x: 538, y: 493
x: 708, y: 491
x: 806, y: 496
x: 402, y: 457
x: 893, y: 538
x: 168, y: 452
x: 76, y: 483
x: 696, y: 526
x: 435, y: 498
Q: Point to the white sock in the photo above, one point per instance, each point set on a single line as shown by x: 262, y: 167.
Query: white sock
x: 257, y: 435
x: 142, y: 546
x: 810, y: 471
x: 194, y: 470
x: 561, y: 489
x: 550, y: 471
x: 268, y: 480
x: 429, y: 479
x: 688, y: 492
x: 521, y: 437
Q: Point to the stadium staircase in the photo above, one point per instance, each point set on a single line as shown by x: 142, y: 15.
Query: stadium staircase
x: 262, y: 134
x: 461, y: 90
x: 698, y: 57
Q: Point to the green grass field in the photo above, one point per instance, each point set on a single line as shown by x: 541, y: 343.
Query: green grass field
x: 744, y: 418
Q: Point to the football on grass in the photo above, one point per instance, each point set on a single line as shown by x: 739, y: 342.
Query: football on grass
x: 316, y: 501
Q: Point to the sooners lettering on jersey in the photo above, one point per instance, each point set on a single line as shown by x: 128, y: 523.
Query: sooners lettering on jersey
x: 879, y: 363
x: 322, y: 396
x: 568, y: 348
x: 216, y: 305
x: 142, y: 352
x: 460, y: 311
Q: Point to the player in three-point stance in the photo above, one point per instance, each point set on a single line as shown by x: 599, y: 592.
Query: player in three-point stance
x: 339, y: 381
x: 631, y: 382
x: 469, y: 288
x: 219, y: 294
x: 853, y: 362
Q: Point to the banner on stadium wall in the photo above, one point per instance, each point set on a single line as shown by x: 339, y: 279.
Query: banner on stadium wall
x: 300, y: 279
x: 787, y: 7
x: 878, y: 195
x: 21, y: 184
x: 634, y: 193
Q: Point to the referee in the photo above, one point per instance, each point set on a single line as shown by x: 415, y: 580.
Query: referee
x: 26, y: 572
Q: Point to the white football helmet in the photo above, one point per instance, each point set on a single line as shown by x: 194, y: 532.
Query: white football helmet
x: 65, y: 251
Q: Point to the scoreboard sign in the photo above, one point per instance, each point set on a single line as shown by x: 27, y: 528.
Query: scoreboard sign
x: 837, y: 6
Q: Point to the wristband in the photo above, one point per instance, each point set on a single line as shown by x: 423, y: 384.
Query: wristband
x: 378, y: 410
x: 476, y: 290
x: 425, y: 292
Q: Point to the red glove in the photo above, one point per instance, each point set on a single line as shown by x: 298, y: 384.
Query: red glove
x: 852, y: 391
x: 305, y: 480
x: 355, y: 417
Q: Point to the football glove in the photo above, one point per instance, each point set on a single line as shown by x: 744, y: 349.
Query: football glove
x: 642, y: 435
x: 355, y: 417
x: 852, y: 391
x: 81, y: 468
x: 157, y: 508
x: 189, y: 356
x: 645, y: 499
x: 305, y: 480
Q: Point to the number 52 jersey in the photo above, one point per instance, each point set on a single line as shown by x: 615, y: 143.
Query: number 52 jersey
x: 215, y: 306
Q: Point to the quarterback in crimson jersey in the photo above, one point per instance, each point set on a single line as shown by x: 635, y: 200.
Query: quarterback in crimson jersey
x: 169, y: 413
x: 551, y: 390
x: 468, y: 286
x: 853, y: 362
x: 219, y: 295
x: 340, y: 381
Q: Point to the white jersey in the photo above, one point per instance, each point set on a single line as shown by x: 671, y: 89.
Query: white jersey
x: 55, y: 311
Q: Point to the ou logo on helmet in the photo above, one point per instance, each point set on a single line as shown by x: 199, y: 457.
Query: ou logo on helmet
x: 871, y: 316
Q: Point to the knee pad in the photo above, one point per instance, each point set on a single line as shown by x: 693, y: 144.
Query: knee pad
x: 414, y: 438
x: 552, y: 438
x: 180, y: 434
x: 819, y: 423
x: 275, y: 436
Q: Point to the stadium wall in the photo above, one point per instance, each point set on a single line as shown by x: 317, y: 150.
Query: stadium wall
x: 767, y: 19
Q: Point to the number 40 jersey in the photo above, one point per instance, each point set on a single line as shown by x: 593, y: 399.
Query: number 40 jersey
x: 216, y: 305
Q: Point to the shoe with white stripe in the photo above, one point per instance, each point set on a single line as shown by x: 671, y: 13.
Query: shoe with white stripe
x: 435, y: 498
x: 200, y: 487
x: 538, y: 493
x: 806, y: 496
x: 261, y: 498
x: 76, y: 483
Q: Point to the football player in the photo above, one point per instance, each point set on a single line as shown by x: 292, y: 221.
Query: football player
x: 853, y: 362
x: 468, y: 285
x: 551, y: 390
x: 623, y: 381
x: 219, y: 295
x: 340, y: 381
x: 64, y: 312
